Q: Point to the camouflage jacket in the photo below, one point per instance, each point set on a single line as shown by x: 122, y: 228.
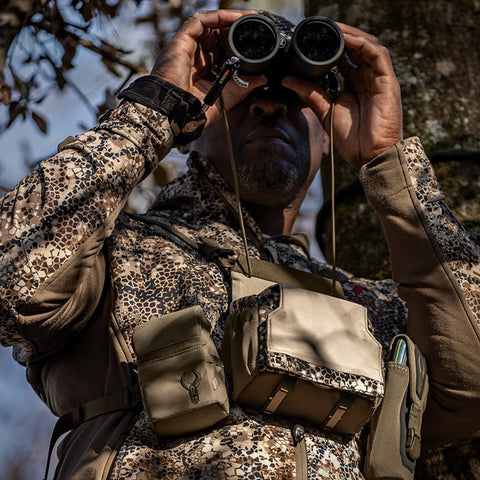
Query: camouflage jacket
x: 77, y: 275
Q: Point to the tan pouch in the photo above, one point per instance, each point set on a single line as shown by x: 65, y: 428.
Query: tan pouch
x: 394, y: 442
x: 181, y: 376
x: 306, y: 355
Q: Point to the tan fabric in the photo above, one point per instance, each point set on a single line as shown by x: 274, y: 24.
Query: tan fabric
x: 386, y: 434
x: 264, y: 274
x: 91, y: 449
x: 394, y: 441
x: 179, y: 346
x: 243, y: 286
x: 439, y: 320
x: 344, y: 342
x: 96, y: 364
x: 284, y: 357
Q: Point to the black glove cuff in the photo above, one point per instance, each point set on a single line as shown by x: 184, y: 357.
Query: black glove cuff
x: 183, y: 109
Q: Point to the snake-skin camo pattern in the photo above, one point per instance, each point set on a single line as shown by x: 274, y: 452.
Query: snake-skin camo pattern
x: 245, y: 445
x: 53, y: 211
x: 461, y: 253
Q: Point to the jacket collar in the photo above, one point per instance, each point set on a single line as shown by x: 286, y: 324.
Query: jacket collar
x: 202, y: 195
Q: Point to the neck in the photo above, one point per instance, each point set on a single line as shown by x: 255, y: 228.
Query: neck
x: 272, y: 220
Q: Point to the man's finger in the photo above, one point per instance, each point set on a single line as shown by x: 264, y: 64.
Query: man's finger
x: 214, y: 19
x: 313, y: 96
x: 366, y: 49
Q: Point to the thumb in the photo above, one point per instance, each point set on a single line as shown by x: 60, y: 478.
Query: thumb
x: 312, y: 95
x: 234, y: 93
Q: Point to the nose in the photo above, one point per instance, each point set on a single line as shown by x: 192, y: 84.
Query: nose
x: 268, y: 107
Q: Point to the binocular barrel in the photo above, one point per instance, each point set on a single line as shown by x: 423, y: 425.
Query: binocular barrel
x: 316, y: 45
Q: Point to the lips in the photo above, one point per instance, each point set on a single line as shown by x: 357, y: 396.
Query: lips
x: 266, y: 133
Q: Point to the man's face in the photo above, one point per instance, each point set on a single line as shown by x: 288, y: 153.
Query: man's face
x: 277, y: 143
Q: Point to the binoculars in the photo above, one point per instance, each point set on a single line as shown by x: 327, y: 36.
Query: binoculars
x: 314, y: 48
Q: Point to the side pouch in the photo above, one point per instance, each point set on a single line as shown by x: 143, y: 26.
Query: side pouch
x: 394, y: 442
x: 181, y: 376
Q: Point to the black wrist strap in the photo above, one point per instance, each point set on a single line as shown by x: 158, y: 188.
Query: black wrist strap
x: 183, y: 109
x: 156, y: 93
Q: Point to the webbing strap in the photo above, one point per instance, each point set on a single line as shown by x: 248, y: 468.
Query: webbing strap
x: 288, y: 276
x: 208, y: 247
x: 128, y: 398
x: 338, y: 411
x: 301, y: 460
x: 270, y: 271
x: 279, y: 395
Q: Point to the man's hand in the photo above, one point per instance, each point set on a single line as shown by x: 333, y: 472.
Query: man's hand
x: 368, y: 114
x: 186, y: 59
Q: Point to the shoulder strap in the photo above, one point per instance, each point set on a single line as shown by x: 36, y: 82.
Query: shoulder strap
x: 270, y: 271
x: 207, y: 247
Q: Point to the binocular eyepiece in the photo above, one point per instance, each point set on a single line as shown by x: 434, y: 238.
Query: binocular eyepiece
x: 314, y: 48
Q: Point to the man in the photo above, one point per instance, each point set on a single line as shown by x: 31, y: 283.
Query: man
x: 77, y: 276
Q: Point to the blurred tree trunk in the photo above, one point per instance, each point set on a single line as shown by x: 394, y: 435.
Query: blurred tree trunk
x: 434, y: 45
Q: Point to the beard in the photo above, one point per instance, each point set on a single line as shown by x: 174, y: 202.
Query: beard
x: 271, y: 175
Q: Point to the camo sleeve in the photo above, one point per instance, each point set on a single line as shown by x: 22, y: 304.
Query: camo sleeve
x: 54, y: 223
x: 437, y: 268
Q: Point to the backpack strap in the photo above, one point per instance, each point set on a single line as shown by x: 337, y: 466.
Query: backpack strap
x: 301, y: 459
x: 273, y: 272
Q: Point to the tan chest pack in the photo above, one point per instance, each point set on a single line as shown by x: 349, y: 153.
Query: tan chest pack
x: 306, y: 355
x: 290, y: 348
x: 295, y: 350
x: 293, y: 347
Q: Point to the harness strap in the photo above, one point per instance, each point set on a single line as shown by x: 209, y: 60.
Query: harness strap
x: 301, y: 460
x: 339, y: 410
x: 276, y: 273
x: 128, y: 398
x: 279, y: 395
x: 208, y: 247
x: 273, y: 272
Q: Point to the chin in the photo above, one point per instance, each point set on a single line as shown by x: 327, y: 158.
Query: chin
x: 274, y: 185
x: 275, y: 174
